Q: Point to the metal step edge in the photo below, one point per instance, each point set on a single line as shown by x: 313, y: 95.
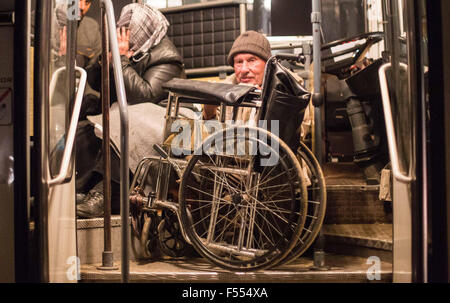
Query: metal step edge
x: 353, y: 187
x: 369, y: 239
x: 359, y: 251
x: 98, y: 222
x: 363, y: 242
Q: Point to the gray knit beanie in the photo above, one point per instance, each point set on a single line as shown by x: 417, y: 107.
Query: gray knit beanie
x: 250, y: 42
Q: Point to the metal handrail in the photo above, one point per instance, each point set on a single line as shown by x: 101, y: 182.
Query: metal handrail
x: 208, y: 70
x: 316, y: 20
x: 317, y: 99
x: 54, y: 79
x: 124, y: 148
x: 67, y: 155
x: 392, y: 142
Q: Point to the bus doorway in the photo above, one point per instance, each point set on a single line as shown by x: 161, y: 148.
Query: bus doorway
x: 58, y: 89
x: 38, y: 221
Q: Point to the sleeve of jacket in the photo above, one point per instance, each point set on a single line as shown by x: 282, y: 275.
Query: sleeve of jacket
x: 147, y: 88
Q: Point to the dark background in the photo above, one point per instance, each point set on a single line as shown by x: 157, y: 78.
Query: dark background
x: 291, y: 18
x: 340, y: 18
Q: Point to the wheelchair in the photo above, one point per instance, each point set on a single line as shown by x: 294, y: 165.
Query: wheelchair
x: 244, y: 197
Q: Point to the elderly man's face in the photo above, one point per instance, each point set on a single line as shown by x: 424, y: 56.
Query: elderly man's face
x: 249, y: 69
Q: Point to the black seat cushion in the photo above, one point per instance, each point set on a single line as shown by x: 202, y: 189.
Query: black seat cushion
x: 231, y: 94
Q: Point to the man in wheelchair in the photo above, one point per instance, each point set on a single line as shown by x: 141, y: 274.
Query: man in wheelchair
x: 249, y: 56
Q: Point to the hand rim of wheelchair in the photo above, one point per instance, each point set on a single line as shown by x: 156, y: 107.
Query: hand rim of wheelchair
x: 289, y: 235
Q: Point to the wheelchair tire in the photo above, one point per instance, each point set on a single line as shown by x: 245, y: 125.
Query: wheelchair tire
x: 317, y: 200
x: 248, y: 215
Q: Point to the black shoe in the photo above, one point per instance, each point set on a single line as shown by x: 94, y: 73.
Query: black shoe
x: 80, y: 198
x: 92, y: 205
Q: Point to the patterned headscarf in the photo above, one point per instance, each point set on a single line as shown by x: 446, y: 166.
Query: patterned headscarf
x: 61, y: 15
x: 147, y: 26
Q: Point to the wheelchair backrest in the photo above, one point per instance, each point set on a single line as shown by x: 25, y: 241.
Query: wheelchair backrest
x: 284, y: 103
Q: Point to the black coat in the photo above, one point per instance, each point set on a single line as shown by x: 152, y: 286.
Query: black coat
x: 143, y: 80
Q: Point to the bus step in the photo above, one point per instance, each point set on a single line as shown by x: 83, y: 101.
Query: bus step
x: 90, y: 239
x: 363, y: 240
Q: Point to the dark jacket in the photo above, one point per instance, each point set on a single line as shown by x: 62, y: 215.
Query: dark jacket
x: 143, y: 80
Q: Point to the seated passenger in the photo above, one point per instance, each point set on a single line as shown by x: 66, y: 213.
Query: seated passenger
x: 248, y: 56
x: 148, y: 59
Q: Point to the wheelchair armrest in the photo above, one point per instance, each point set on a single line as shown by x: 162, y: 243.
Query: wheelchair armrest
x: 230, y: 94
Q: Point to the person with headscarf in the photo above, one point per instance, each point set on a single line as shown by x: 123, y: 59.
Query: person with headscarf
x: 148, y: 60
x: 148, y: 57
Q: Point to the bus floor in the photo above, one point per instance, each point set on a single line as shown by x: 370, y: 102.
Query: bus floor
x: 340, y: 268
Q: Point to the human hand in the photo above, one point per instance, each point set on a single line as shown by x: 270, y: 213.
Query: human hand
x: 123, y: 38
x: 62, y: 41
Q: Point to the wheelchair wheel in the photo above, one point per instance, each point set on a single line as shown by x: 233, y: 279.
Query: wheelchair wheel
x: 317, y: 199
x: 243, y: 201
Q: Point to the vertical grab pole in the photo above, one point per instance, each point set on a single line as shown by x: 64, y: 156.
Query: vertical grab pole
x: 316, y: 19
x: 317, y: 99
x: 124, y: 148
x: 107, y: 255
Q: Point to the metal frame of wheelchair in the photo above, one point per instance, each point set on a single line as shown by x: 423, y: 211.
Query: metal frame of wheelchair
x: 232, y: 209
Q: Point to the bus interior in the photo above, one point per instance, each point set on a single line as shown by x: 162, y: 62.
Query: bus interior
x: 369, y: 201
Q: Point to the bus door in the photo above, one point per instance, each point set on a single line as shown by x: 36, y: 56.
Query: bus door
x: 58, y: 90
x: 7, y: 257
x: 402, y: 82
